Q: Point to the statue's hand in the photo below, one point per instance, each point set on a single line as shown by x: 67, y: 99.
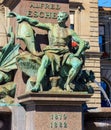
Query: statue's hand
x: 18, y: 17
x: 11, y: 14
x: 76, y: 55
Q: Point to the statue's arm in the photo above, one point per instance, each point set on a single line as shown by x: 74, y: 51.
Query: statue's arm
x: 36, y: 23
x: 83, y: 45
x: 31, y: 21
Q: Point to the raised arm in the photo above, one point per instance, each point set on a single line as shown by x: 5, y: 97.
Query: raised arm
x: 31, y: 21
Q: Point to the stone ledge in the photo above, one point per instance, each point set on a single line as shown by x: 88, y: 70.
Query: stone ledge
x: 48, y: 98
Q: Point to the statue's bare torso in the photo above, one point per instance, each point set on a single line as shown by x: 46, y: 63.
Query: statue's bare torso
x: 58, y: 36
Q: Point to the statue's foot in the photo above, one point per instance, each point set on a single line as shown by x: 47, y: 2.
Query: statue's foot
x: 30, y: 84
x: 67, y: 88
x: 36, y: 88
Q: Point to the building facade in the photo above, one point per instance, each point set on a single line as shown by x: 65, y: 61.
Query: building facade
x: 105, y: 48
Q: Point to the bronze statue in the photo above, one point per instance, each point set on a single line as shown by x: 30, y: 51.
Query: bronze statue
x: 8, y: 57
x: 57, y: 54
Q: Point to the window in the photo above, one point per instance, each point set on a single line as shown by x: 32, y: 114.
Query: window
x: 102, y: 43
x: 101, y: 30
x: 72, y: 20
x: 106, y: 88
x: 101, y: 38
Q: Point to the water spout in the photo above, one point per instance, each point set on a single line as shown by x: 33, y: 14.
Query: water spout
x: 103, y: 92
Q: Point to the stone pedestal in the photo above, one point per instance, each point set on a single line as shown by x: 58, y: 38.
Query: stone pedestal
x: 52, y: 111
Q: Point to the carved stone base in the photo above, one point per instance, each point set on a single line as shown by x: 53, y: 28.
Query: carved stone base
x: 53, y: 111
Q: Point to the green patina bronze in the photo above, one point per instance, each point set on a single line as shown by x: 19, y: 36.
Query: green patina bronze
x: 58, y: 62
x: 8, y: 56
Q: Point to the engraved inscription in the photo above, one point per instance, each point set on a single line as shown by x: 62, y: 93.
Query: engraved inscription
x: 43, y: 13
x: 58, y: 121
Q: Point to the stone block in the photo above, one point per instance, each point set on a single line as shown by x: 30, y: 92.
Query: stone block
x: 52, y: 111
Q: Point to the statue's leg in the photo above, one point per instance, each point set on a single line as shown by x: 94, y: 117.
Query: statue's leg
x: 41, y: 73
x: 75, y: 64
